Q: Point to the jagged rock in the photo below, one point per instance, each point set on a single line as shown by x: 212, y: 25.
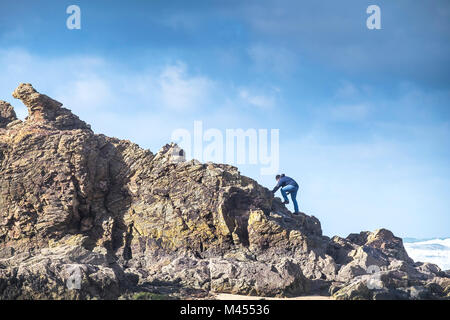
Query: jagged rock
x: 7, y: 114
x: 43, y: 109
x: 45, y: 275
x: 284, y: 277
x: 122, y: 220
x: 386, y: 285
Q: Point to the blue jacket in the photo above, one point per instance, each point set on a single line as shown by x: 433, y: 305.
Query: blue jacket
x: 284, y: 181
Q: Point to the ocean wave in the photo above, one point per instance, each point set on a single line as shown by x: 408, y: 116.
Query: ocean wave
x: 436, y: 251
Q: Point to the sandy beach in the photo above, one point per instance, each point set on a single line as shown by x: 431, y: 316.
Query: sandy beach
x: 227, y: 296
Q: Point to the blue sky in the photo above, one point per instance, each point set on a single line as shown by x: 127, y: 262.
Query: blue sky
x: 363, y: 114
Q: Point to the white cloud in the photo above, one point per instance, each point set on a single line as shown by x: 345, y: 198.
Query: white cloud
x: 89, y: 82
x: 143, y: 106
x: 90, y: 92
x: 180, y: 92
x: 258, y: 99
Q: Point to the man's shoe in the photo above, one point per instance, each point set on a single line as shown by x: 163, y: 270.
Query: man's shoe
x: 296, y: 213
x: 285, y: 202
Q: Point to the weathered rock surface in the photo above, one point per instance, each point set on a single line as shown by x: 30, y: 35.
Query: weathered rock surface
x: 7, y: 114
x: 86, y: 216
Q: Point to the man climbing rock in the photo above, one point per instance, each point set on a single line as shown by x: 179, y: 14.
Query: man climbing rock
x: 288, y: 186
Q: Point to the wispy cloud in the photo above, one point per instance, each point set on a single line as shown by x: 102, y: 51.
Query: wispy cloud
x: 88, y: 92
x: 181, y: 92
x: 259, y: 99
x: 143, y: 105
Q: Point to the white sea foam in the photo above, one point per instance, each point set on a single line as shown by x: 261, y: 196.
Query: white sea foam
x: 436, y: 251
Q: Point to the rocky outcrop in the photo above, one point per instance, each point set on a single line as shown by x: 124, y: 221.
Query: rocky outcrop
x: 87, y: 216
x: 7, y: 114
x: 44, y: 110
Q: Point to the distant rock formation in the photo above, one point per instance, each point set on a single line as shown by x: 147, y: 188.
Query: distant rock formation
x: 84, y: 216
x: 7, y: 114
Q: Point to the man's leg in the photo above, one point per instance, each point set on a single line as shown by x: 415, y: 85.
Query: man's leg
x: 294, y: 199
x: 284, y: 194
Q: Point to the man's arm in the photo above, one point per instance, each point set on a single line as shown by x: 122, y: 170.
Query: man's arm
x: 277, y: 186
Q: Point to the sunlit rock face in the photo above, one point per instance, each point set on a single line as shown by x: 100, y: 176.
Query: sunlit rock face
x: 84, y: 216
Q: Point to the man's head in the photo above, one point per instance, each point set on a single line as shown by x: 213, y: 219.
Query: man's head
x: 279, y: 176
